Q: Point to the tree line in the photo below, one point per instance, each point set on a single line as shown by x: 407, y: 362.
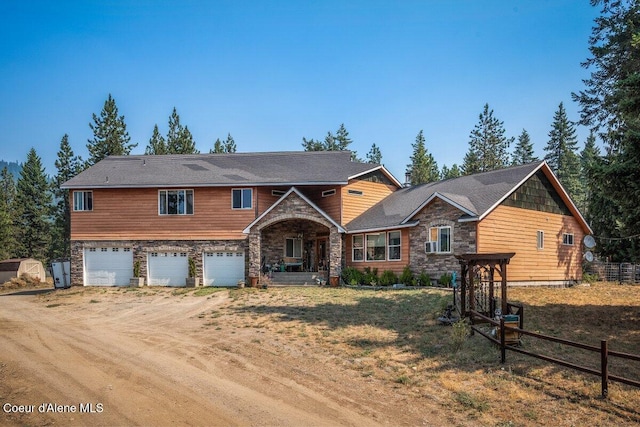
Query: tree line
x: 35, y: 212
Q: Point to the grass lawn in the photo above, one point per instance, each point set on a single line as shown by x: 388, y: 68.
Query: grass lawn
x: 393, y: 336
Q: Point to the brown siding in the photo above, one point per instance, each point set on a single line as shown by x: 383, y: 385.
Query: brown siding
x: 120, y: 214
x: 355, y: 205
x: 395, y: 266
x: 510, y: 229
x: 330, y: 204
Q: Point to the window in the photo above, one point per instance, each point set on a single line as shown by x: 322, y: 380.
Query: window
x: 328, y: 193
x: 540, y: 239
x: 358, y: 248
x: 376, y: 247
x: 393, y: 238
x: 242, y: 198
x: 355, y: 192
x: 293, y: 248
x: 439, y: 240
x: 175, y: 202
x: 278, y: 193
x: 83, y: 200
x: 567, y: 239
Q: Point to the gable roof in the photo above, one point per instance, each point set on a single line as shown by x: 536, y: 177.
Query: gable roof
x: 247, y: 229
x: 474, y: 195
x: 200, y: 170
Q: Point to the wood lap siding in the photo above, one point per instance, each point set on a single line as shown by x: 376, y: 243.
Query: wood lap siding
x: 133, y: 214
x: 395, y: 266
x: 510, y: 229
x: 355, y: 205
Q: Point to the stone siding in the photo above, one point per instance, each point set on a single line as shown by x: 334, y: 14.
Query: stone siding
x: 463, y: 239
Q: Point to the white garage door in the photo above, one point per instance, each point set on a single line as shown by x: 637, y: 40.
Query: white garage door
x: 223, y: 268
x: 168, y: 268
x: 108, y: 266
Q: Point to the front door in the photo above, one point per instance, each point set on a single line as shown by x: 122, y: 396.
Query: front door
x: 322, y: 261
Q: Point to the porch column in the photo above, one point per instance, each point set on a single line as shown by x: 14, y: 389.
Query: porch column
x: 335, y: 256
x: 254, y: 257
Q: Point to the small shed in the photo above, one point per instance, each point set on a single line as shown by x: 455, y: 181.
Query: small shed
x: 17, y: 267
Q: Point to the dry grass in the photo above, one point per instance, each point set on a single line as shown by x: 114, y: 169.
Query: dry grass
x: 393, y: 337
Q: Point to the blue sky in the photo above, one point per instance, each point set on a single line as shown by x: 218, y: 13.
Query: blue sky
x: 272, y: 72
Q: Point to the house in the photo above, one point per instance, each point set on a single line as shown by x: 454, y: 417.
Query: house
x: 236, y: 215
x: 17, y: 267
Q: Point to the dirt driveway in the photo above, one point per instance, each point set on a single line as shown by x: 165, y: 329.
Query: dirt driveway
x: 111, y: 357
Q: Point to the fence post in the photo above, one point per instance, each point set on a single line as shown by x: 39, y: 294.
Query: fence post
x: 503, y: 350
x: 604, y: 356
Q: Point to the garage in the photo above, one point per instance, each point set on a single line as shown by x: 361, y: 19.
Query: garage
x: 223, y: 268
x: 167, y: 268
x: 108, y: 266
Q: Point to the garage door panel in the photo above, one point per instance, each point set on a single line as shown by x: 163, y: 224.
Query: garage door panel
x: 108, y: 266
x: 223, y: 268
x: 168, y: 268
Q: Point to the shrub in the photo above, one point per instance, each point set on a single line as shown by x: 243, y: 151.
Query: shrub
x: 424, y: 279
x: 370, y: 276
x: 446, y: 279
x: 352, y: 276
x: 407, y: 276
x: 388, y: 278
x: 459, y: 332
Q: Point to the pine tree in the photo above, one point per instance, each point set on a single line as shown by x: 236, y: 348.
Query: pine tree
x: 488, y: 146
x: 110, y: 136
x: 523, y: 151
x: 338, y: 142
x: 230, y: 145
x: 68, y: 166
x: 423, y: 167
x: 179, y: 138
x: 157, y: 144
x: 7, y: 215
x: 374, y: 155
x: 33, y: 204
x: 611, y: 104
x: 453, y: 172
x: 562, y: 154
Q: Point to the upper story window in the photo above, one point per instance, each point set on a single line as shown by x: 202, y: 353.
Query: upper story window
x: 540, y: 239
x: 567, y: 239
x: 175, y: 202
x: 439, y: 240
x: 327, y: 193
x: 83, y: 200
x: 242, y: 198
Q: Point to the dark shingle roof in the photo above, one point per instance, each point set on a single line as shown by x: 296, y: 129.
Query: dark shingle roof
x: 474, y: 195
x: 270, y: 168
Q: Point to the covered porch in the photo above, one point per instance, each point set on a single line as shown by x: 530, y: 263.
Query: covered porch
x: 293, y: 237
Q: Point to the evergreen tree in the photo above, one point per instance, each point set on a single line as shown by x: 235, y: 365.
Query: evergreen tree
x: 33, y: 205
x: 453, y: 172
x: 523, y: 151
x: 562, y: 154
x: 218, y: 147
x: 374, y: 155
x: 230, y: 145
x: 338, y: 142
x: 68, y: 166
x: 179, y: 138
x: 423, y: 167
x: 589, y: 159
x: 488, y: 146
x: 7, y: 215
x: 110, y: 136
x: 157, y: 144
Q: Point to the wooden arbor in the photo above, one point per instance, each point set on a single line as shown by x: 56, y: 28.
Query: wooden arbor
x: 477, y: 282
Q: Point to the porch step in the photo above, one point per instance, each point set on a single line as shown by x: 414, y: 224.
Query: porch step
x: 297, y: 278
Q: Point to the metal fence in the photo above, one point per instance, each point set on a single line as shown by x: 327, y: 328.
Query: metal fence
x: 615, y: 272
